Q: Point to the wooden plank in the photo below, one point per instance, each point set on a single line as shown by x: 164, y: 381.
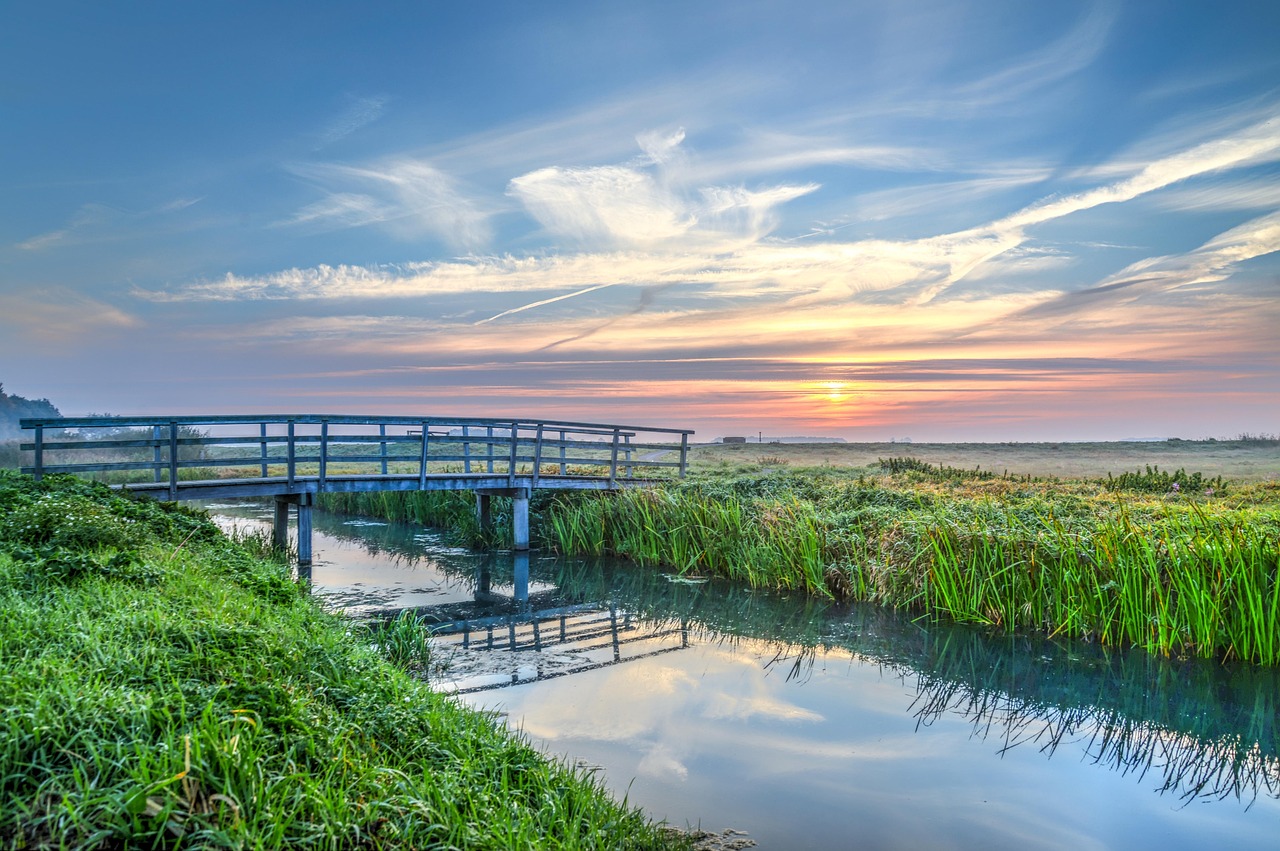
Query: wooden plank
x: 262, y: 433
x: 291, y: 459
x: 422, y: 466
x: 466, y: 451
x: 515, y: 440
x: 537, y: 456
x: 324, y: 451
x: 38, y: 448
x: 613, y: 460
x: 155, y: 453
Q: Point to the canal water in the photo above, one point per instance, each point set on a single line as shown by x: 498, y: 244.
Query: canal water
x: 807, y: 724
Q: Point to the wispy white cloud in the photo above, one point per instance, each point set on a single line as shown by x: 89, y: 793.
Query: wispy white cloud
x: 100, y: 222
x: 179, y: 204
x: 359, y: 112
x: 948, y: 195
x: 771, y: 153
x: 85, y: 220
x: 1179, y: 276
x: 341, y: 209
x: 591, y: 133
x: 715, y: 248
x: 1256, y: 144
x: 58, y: 314
x: 411, y: 198
x: 1227, y: 195
x: 1183, y: 132
x: 1059, y: 59
x: 613, y: 205
x: 647, y: 203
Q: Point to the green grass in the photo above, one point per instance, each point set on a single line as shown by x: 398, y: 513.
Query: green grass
x: 162, y: 686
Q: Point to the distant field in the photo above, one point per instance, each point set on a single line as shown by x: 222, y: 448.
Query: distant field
x: 1242, y: 461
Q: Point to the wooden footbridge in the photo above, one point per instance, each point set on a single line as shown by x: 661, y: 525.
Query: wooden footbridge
x: 292, y: 458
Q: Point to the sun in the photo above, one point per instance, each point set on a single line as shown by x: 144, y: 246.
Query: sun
x: 835, y: 391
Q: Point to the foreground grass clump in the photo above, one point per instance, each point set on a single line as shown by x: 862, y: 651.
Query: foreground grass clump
x: 162, y: 686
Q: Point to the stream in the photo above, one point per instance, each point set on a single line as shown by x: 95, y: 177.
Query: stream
x: 805, y: 723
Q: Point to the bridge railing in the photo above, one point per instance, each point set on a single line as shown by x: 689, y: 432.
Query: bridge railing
x: 171, y: 449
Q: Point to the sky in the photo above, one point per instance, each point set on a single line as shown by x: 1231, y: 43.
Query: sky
x: 955, y: 221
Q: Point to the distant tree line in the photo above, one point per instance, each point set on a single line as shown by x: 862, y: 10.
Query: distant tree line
x: 14, y: 408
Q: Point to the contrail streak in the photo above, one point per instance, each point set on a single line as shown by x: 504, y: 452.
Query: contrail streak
x: 544, y: 301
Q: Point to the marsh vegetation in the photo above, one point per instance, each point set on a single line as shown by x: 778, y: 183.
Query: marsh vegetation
x: 1176, y: 563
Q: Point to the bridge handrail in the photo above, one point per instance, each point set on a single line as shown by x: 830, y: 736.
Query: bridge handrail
x: 332, y: 419
x: 508, y: 444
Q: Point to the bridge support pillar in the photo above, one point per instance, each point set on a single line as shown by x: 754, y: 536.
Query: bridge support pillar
x: 484, y: 516
x: 280, y: 525
x: 519, y: 513
x: 520, y: 522
x: 305, y: 502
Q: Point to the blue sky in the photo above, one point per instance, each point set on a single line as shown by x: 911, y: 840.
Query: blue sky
x: 951, y: 221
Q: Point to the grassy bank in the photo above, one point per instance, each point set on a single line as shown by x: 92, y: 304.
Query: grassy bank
x: 1173, y: 562
x: 163, y: 686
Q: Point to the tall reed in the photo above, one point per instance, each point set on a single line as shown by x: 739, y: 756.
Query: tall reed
x: 1183, y: 579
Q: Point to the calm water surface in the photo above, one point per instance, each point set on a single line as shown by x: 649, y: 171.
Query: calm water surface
x: 813, y: 725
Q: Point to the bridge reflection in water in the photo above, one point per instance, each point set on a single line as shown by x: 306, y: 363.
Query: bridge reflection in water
x: 529, y: 640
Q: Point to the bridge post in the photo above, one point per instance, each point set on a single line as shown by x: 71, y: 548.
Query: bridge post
x: 38, y: 449
x: 173, y: 461
x: 156, y: 457
x: 520, y: 519
x: 305, y: 501
x: 262, y: 446
x: 280, y: 524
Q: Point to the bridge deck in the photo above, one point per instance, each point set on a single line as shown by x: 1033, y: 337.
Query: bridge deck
x: 281, y: 486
